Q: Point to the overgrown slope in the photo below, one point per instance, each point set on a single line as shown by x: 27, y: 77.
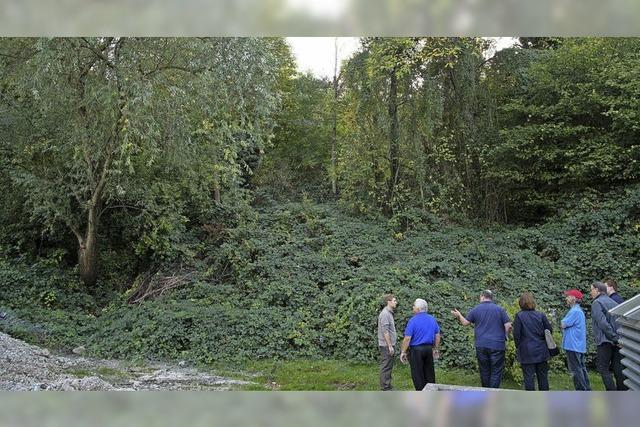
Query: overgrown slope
x: 305, y: 280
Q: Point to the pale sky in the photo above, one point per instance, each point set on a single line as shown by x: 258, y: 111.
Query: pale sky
x: 316, y: 54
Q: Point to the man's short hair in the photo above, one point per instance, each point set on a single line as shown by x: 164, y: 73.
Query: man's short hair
x: 600, y: 287
x: 487, y: 294
x: 387, y: 298
x: 612, y: 283
x: 420, y: 304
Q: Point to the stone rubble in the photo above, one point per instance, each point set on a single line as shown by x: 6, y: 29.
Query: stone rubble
x: 27, y: 367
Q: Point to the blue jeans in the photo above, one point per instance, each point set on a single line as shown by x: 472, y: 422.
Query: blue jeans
x: 491, y: 365
x: 578, y: 370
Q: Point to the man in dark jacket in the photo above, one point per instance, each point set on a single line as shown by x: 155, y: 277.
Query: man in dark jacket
x: 612, y: 291
x: 605, y: 336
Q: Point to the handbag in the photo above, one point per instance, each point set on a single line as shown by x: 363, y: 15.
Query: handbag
x: 551, y: 344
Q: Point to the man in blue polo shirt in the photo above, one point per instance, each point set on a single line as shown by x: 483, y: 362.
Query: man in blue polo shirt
x: 422, y: 339
x: 574, y: 340
x: 492, y: 327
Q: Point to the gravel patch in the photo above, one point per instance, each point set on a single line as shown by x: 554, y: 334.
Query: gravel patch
x: 27, y: 367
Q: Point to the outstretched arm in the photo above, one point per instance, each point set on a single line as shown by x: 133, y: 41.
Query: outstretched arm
x: 463, y: 321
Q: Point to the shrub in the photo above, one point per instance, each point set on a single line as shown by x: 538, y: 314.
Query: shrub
x: 304, y: 280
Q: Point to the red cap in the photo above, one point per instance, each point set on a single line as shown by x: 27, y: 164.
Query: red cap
x: 574, y: 293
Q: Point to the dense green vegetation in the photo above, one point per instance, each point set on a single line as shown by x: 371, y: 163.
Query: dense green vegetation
x: 197, y: 199
x: 303, y: 280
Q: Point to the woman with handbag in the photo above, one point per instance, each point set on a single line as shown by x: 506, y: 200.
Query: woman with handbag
x: 531, y: 345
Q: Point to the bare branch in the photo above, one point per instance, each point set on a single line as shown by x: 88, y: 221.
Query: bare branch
x: 160, y: 68
x: 99, y: 54
x: 75, y: 231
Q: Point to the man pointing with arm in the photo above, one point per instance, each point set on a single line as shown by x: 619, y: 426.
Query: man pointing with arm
x: 492, y: 327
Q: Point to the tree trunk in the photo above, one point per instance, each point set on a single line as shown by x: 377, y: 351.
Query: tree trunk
x: 334, y: 140
x: 393, y: 139
x: 88, y: 251
x: 216, y: 187
x: 98, y: 172
x: 216, y: 179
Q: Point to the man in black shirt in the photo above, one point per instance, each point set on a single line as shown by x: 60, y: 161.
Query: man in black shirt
x: 612, y: 291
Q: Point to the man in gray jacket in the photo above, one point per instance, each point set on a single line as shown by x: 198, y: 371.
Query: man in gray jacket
x: 387, y: 338
x: 605, y: 336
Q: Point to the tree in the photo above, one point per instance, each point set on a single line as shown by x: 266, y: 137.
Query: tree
x: 569, y: 125
x: 101, y: 123
x: 387, y: 83
x: 539, y: 42
x: 300, y: 156
x: 334, y: 113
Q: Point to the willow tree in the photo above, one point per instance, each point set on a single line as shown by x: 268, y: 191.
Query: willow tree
x: 462, y: 128
x: 361, y: 166
x: 233, y: 117
x: 384, y: 81
x: 87, y: 121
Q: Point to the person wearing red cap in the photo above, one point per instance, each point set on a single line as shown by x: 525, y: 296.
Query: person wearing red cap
x: 574, y: 339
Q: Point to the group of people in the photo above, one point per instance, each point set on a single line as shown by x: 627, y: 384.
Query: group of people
x: 531, y: 334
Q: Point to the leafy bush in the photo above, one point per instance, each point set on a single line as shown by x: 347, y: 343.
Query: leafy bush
x: 304, y: 280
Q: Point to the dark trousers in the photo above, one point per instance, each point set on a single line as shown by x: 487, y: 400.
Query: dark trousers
x: 531, y: 371
x: 578, y: 370
x: 491, y: 365
x: 386, y: 365
x: 609, y: 359
x: 421, y: 362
